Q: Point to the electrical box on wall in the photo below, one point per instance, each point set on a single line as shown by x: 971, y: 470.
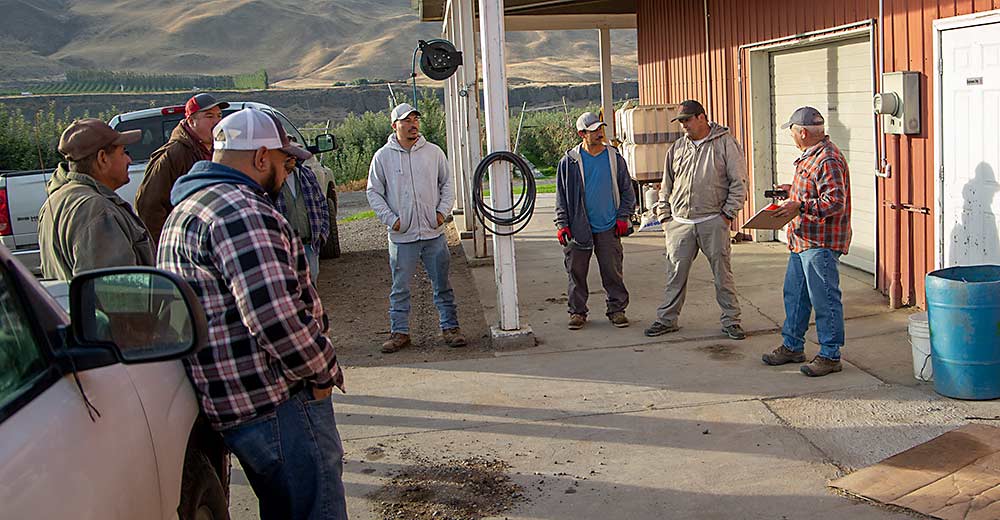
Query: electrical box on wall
x: 899, y: 102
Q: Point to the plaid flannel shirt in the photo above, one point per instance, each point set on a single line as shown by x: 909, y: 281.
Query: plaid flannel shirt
x: 317, y: 208
x: 823, y: 185
x: 266, y: 323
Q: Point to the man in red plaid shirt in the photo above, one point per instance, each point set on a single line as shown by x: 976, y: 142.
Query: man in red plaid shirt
x: 264, y: 381
x: 820, y: 199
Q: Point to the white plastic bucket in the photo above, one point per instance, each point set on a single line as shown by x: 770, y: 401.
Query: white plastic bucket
x: 920, y: 342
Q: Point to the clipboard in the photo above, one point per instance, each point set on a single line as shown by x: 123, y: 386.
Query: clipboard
x: 766, y: 219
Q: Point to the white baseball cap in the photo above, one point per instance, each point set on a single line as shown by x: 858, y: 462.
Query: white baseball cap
x: 402, y: 110
x: 250, y: 129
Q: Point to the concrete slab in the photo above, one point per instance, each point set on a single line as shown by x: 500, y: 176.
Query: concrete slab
x: 702, y: 462
x: 858, y: 427
x: 489, y: 394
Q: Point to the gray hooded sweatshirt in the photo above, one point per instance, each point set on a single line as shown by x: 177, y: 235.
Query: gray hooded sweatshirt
x: 411, y: 186
x: 705, y: 179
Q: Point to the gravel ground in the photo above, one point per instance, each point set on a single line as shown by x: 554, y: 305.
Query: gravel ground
x: 355, y: 292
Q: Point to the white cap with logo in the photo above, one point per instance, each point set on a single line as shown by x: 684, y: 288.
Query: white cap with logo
x: 250, y: 129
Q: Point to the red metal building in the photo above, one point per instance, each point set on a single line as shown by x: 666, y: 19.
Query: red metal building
x: 673, y: 37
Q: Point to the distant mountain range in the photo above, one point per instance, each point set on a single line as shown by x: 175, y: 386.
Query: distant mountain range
x: 300, y: 43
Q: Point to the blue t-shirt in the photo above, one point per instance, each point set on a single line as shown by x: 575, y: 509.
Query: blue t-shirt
x: 598, y: 196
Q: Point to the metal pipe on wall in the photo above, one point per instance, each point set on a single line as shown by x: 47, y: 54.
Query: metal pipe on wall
x: 885, y: 172
x: 708, y: 68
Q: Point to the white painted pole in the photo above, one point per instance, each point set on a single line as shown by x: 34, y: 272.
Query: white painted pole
x: 453, y: 110
x: 607, y: 99
x: 491, y: 31
x: 470, y: 113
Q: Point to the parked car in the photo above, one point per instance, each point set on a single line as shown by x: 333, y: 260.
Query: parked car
x: 97, y: 417
x: 22, y: 193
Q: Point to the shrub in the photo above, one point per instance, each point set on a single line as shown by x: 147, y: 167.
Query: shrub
x: 360, y: 136
x: 28, y: 143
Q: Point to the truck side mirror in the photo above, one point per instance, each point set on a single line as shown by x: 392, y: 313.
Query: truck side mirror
x: 324, y: 143
x: 142, y: 314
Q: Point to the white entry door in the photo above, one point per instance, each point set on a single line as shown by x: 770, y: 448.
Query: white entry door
x: 969, y: 209
x: 836, y: 79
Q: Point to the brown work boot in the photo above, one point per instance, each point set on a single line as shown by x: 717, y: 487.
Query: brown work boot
x: 397, y: 341
x: 821, y: 366
x: 453, y: 338
x: 576, y: 321
x: 618, y: 319
x: 783, y: 355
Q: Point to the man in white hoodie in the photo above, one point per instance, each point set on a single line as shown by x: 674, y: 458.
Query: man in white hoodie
x: 410, y: 189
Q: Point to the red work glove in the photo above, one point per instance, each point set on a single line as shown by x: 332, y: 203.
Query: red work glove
x: 564, y: 236
x: 621, y: 228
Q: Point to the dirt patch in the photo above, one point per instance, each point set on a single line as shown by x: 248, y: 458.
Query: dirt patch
x: 468, y: 489
x: 355, y: 292
x: 721, y: 352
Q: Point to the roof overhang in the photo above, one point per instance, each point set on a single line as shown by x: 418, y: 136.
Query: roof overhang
x: 541, y: 15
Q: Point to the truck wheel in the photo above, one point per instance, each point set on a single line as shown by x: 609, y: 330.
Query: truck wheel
x: 331, y: 248
x: 202, y: 496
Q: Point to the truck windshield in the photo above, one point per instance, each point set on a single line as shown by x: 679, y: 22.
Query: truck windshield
x: 155, y: 132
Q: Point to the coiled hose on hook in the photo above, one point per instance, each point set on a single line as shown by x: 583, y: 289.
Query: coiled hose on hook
x: 520, y: 211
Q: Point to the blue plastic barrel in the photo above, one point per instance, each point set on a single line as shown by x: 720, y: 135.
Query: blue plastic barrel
x: 963, y: 311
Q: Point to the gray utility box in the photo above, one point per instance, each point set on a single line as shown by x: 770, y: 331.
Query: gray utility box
x: 899, y: 102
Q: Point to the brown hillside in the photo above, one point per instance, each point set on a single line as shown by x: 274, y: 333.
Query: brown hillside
x: 299, y: 43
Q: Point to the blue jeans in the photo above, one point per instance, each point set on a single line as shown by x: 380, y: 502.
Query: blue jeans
x: 812, y: 282
x: 436, y: 258
x: 293, y: 459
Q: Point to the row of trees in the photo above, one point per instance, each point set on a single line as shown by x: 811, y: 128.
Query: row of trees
x: 28, y: 141
x: 105, y: 81
x: 545, y: 137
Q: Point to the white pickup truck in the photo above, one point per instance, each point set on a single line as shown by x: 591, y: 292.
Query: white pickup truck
x: 22, y: 193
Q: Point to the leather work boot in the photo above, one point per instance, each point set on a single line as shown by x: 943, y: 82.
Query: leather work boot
x: 576, y: 321
x: 618, y: 319
x: 783, y: 355
x: 821, y: 366
x: 453, y: 337
x: 396, y: 342
x: 658, y: 329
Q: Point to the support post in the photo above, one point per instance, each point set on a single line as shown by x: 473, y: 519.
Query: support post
x: 491, y: 30
x: 453, y: 111
x: 607, y: 98
x: 470, y: 114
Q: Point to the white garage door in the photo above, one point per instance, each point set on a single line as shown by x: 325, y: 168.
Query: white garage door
x: 836, y: 79
x: 970, y: 96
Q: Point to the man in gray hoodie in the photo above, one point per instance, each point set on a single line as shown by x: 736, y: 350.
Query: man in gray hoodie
x: 410, y: 189
x: 703, y: 189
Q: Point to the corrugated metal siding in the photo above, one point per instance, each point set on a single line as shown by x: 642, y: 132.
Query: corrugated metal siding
x: 671, y: 47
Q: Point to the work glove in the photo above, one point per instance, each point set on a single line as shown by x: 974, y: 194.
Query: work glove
x: 564, y: 236
x: 621, y: 228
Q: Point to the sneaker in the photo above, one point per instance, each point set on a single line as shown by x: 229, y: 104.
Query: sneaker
x: 734, y: 331
x: 783, y: 355
x: 453, y: 337
x: 658, y: 329
x: 576, y: 321
x: 821, y: 366
x: 618, y: 319
x: 396, y: 342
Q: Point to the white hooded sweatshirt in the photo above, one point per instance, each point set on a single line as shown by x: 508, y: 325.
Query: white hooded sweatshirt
x: 412, y: 186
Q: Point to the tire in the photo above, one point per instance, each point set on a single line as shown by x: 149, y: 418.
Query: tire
x: 202, y: 495
x: 331, y: 248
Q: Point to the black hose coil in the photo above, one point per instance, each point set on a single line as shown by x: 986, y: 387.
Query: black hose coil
x: 521, y: 210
